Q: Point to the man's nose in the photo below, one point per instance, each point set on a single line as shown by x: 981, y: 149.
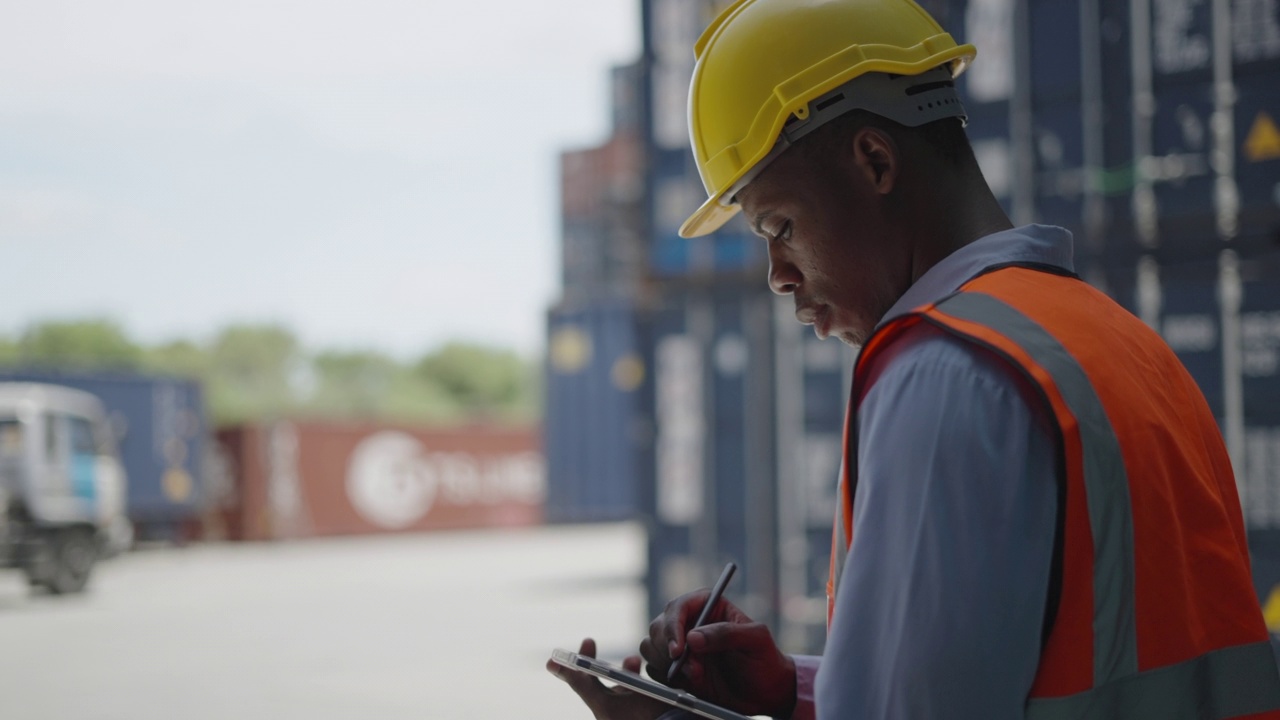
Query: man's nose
x: 784, y: 277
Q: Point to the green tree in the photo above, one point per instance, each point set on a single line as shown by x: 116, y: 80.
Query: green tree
x: 355, y: 384
x: 78, y: 345
x: 252, y: 372
x: 179, y: 357
x: 484, y: 381
x: 8, y: 352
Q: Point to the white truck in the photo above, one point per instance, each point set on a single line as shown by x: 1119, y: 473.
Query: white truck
x: 62, y: 485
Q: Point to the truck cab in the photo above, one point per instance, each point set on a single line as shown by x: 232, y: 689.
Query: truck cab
x: 62, y: 485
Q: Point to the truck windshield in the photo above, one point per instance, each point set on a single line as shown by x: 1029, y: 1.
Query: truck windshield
x: 10, y: 436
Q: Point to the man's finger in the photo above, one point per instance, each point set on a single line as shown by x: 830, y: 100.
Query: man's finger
x: 593, y: 693
x: 727, y: 637
x: 632, y: 664
x: 680, y: 614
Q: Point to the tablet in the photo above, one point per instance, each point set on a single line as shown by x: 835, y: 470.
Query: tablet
x: 672, y: 696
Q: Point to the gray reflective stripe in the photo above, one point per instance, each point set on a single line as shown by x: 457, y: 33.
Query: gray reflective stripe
x: 1227, y: 683
x: 1115, y: 634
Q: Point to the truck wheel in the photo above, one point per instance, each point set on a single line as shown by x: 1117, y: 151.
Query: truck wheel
x: 75, y: 550
x: 40, y: 561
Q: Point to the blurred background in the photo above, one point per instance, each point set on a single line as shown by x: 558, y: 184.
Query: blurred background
x: 350, y: 360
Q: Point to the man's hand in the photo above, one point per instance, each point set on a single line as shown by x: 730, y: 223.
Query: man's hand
x: 615, y: 703
x: 732, y: 661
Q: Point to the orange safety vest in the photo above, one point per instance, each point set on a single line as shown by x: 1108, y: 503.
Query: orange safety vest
x: 1156, y: 616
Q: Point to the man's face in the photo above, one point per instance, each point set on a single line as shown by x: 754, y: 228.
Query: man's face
x: 830, y: 243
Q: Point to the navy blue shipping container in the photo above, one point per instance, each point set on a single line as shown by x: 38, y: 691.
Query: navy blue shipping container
x: 591, y: 430
x: 1051, y: 101
x: 1260, y: 340
x: 987, y: 87
x: 1257, y: 133
x: 1191, y: 323
x: 1260, y: 498
x: 1264, y: 552
x: 1260, y: 475
x: 747, y: 409
x: 712, y: 488
x: 1056, y: 104
x: 670, y: 29
x: 162, y: 429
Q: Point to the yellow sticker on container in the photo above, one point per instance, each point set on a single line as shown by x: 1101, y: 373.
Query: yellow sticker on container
x: 627, y: 373
x: 1263, y: 141
x: 177, y: 485
x: 570, y: 350
x: 1271, y: 610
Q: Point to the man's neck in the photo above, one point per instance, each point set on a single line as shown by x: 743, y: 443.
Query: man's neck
x: 952, y: 217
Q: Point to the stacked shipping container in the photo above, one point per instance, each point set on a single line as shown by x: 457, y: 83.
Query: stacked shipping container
x: 745, y: 404
x: 594, y: 370
x: 1148, y: 128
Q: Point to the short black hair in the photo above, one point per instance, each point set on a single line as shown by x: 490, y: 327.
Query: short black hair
x: 945, y: 138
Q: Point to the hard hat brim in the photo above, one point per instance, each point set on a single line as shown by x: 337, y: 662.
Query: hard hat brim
x: 708, y: 218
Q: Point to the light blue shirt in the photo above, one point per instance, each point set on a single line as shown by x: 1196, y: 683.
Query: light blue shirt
x: 941, y: 604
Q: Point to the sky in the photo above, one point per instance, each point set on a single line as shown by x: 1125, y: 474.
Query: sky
x: 378, y: 174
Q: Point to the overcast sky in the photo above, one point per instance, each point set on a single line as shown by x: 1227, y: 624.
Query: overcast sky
x: 376, y: 174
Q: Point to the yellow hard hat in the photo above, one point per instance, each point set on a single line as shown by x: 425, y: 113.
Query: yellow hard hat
x: 764, y: 65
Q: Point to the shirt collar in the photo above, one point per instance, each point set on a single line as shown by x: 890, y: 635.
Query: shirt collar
x: 1040, y: 244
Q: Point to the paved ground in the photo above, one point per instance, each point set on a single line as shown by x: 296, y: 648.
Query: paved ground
x: 444, y: 626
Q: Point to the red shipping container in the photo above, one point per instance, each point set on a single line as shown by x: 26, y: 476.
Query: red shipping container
x: 308, y: 479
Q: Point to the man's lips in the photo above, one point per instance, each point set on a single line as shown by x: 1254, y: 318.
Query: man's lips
x: 818, y: 316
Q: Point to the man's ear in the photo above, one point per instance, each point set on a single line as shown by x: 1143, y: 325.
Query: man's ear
x: 876, y: 157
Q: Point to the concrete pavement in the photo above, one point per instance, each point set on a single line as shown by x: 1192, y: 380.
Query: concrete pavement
x: 446, y: 626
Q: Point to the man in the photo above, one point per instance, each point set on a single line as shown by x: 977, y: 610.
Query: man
x: 1038, y: 517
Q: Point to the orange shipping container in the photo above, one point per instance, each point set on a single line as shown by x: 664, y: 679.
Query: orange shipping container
x: 307, y: 479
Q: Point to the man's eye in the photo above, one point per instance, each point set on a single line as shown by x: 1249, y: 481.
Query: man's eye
x: 783, y: 234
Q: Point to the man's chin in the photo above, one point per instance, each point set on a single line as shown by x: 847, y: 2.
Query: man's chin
x: 852, y: 338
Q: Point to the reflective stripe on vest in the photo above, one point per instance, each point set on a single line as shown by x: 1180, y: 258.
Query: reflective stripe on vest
x: 1115, y: 641
x: 1224, y: 682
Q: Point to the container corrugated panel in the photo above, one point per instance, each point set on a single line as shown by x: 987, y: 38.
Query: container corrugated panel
x: 1256, y: 55
x: 591, y: 423
x: 1057, y: 114
x: 1191, y: 323
x: 163, y: 426
x: 747, y: 409
x: 1260, y: 351
x: 673, y: 197
x: 987, y: 87
x: 1115, y: 181
x: 825, y: 371
x: 711, y: 493
x: 1257, y: 122
x: 601, y: 215
x: 310, y: 479
x: 1259, y: 362
x: 670, y: 28
x: 1181, y: 56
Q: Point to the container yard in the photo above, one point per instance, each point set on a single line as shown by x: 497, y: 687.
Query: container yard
x: 1145, y: 128
x: 313, y: 565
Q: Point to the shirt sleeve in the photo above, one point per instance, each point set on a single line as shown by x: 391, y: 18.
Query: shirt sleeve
x: 941, y: 604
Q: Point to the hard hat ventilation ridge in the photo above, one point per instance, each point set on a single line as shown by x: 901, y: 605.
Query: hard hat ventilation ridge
x: 910, y: 100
